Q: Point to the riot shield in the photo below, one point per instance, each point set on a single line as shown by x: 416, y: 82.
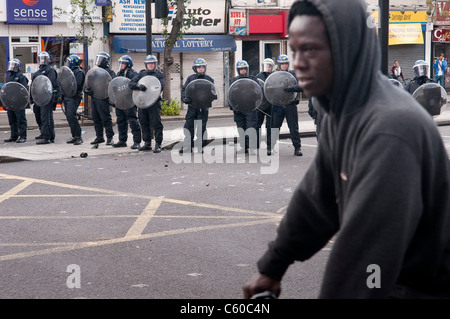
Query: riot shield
x: 432, y: 97
x: 120, y: 94
x: 145, y: 99
x: 98, y: 80
x: 245, y: 95
x: 14, y: 96
x: 396, y: 83
x: 41, y: 90
x: 67, y: 81
x: 202, y: 92
x: 265, y: 103
x: 274, y: 88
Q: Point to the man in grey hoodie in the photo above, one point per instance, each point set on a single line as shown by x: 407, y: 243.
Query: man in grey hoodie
x: 380, y: 181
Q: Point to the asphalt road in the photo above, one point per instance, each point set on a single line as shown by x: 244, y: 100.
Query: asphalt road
x: 144, y: 225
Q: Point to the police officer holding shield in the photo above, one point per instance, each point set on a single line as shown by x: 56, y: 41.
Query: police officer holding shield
x: 420, y: 69
x: 72, y: 103
x: 44, y: 113
x: 17, y: 118
x: 244, y: 120
x: 199, y: 68
x: 127, y: 116
x: 150, y: 118
x: 267, y: 69
x: 101, y: 113
x: 290, y: 111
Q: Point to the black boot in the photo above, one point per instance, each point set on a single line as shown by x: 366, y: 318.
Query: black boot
x: 98, y: 140
x: 21, y: 140
x: 298, y: 152
x: 72, y: 140
x: 11, y: 139
x: 78, y: 141
x: 157, y: 148
x: 120, y: 144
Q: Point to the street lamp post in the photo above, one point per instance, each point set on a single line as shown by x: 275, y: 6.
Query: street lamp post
x: 384, y: 34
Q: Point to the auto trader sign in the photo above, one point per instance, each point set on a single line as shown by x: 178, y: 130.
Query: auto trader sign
x: 208, y: 17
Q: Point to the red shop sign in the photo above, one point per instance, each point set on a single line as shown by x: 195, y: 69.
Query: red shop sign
x: 441, y: 35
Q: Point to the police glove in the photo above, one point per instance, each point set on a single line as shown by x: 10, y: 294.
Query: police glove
x: 215, y: 97
x: 186, y: 100
x: 88, y: 90
x: 142, y: 87
x: 111, y: 103
x: 289, y: 89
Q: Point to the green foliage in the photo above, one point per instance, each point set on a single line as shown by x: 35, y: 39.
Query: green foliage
x: 172, y: 107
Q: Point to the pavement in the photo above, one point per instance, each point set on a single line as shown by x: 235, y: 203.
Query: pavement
x: 220, y: 126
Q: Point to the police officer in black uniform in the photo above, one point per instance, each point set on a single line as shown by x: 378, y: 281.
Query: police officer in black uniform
x: 267, y: 69
x: 290, y: 111
x: 127, y: 116
x: 45, y: 112
x: 150, y: 118
x: 73, y: 62
x: 17, y: 118
x: 420, y: 69
x: 101, y: 113
x: 244, y: 120
x: 193, y: 114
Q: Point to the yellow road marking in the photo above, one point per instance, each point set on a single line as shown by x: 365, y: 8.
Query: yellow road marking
x: 142, y: 221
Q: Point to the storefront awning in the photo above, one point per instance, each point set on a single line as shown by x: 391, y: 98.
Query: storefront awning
x: 189, y: 43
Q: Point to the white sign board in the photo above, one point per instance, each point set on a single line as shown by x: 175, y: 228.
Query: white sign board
x: 208, y: 17
x: 238, y: 22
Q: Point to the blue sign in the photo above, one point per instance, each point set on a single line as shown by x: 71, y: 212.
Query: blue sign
x: 189, y: 43
x: 29, y: 12
x: 102, y: 3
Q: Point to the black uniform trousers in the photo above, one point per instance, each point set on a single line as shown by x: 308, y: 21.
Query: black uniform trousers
x: 101, y: 116
x: 150, y: 119
x: 123, y: 118
x: 37, y: 114
x: 71, y: 104
x: 47, y: 123
x: 246, y: 121
x: 268, y: 116
x: 192, y: 115
x: 18, y: 123
x: 289, y: 112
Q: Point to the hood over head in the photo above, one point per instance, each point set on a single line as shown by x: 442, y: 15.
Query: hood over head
x: 356, y: 53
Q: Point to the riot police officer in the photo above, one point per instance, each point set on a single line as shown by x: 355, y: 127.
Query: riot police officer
x: 199, y: 68
x: 73, y: 62
x: 290, y: 111
x: 245, y: 120
x: 17, y: 118
x: 127, y: 116
x: 101, y: 113
x: 150, y: 118
x: 45, y: 112
x: 420, y: 69
x: 267, y: 69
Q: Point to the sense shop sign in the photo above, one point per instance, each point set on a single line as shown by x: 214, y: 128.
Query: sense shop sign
x: 29, y: 11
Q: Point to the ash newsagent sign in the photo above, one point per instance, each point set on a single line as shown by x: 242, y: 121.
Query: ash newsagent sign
x: 208, y: 17
x: 29, y: 12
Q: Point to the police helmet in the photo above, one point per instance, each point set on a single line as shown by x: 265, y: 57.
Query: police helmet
x: 283, y: 58
x: 199, y: 62
x: 268, y: 65
x: 125, y: 59
x: 43, y: 58
x: 14, y: 65
x: 103, y: 60
x: 73, y: 61
x: 420, y: 68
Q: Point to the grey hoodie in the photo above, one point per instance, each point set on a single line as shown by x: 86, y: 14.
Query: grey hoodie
x: 379, y: 181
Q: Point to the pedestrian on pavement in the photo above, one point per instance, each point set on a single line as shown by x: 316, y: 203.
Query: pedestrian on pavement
x: 45, y: 112
x: 440, y: 69
x: 101, y: 111
x: 380, y: 180
x: 289, y: 111
x: 125, y: 117
x: 396, y: 71
x: 194, y: 114
x: 71, y: 104
x: 245, y: 120
x: 150, y: 118
x: 17, y: 118
x: 267, y: 69
x: 420, y: 69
